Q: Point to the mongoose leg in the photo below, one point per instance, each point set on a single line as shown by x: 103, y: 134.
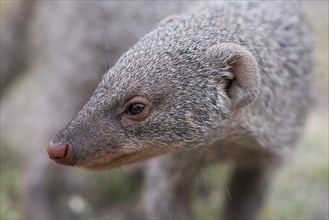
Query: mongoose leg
x: 169, y: 184
x: 248, y: 188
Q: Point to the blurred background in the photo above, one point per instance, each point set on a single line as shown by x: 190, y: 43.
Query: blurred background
x: 32, y: 186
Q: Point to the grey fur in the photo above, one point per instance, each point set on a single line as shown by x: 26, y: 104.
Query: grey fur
x: 253, y: 120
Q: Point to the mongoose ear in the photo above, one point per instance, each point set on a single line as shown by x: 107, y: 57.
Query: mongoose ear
x: 239, y: 66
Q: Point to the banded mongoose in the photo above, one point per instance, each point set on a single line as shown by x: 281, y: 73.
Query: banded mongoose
x: 225, y: 80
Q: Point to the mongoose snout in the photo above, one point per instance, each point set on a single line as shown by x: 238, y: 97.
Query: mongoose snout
x: 60, y: 153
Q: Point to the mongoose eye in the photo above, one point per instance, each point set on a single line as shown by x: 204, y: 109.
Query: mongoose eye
x: 135, y: 108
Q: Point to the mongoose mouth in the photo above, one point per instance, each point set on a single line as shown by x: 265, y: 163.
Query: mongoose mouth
x: 116, y: 159
x: 64, y: 153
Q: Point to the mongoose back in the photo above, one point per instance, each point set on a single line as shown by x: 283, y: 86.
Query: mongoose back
x: 233, y: 78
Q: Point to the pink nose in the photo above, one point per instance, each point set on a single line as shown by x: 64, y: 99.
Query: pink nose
x: 60, y: 153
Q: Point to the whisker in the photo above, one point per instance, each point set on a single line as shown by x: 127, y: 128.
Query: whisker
x: 205, y: 179
x: 104, y: 54
x: 226, y: 186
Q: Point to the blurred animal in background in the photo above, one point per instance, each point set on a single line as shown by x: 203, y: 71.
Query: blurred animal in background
x: 53, y: 54
x: 223, y: 80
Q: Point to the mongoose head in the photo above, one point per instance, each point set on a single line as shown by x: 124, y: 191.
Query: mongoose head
x: 169, y: 92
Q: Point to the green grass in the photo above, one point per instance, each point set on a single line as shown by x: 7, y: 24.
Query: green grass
x: 9, y: 192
